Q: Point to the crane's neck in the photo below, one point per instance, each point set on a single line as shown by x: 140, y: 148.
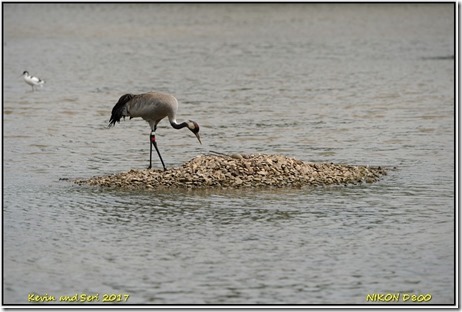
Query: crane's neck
x: 177, y: 125
x: 191, y: 125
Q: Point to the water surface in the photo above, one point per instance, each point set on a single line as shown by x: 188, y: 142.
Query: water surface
x: 369, y: 84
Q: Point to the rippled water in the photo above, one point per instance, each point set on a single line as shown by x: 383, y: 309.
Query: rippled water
x: 358, y: 84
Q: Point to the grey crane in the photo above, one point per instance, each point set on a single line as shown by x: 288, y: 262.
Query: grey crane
x: 152, y: 107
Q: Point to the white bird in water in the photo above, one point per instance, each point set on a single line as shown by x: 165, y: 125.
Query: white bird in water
x: 152, y: 107
x: 32, y: 80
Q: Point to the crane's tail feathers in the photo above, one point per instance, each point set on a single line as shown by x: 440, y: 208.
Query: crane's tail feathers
x: 119, y: 109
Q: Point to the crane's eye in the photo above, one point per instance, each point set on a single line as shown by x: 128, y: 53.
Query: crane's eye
x: 193, y: 126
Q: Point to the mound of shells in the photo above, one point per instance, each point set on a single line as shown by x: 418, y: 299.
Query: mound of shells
x: 241, y: 171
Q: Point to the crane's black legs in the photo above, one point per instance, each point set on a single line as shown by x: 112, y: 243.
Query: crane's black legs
x: 152, y: 139
x: 150, y: 150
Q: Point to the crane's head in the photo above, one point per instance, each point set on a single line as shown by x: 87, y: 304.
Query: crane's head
x: 194, y: 127
x: 119, y: 109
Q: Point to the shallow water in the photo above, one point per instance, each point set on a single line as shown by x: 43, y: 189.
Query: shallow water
x: 357, y: 84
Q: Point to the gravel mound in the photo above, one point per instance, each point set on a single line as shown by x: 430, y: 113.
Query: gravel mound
x: 241, y: 171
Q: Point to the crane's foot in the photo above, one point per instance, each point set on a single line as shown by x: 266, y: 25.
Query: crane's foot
x: 150, y: 167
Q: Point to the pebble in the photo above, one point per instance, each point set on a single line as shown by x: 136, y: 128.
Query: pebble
x: 241, y: 171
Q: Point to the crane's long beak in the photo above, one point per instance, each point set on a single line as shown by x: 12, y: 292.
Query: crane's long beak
x: 198, y: 137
